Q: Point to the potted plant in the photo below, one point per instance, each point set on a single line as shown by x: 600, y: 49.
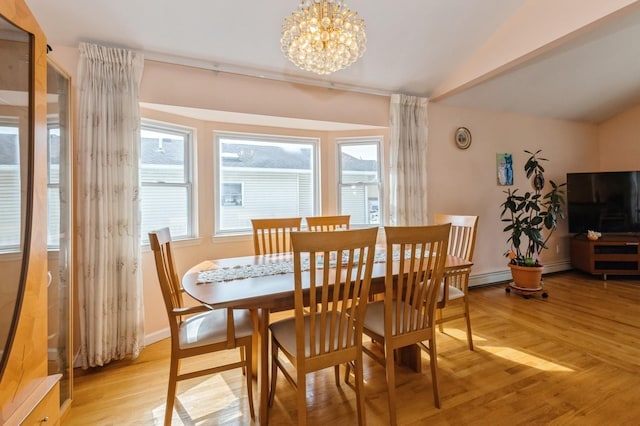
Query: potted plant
x: 531, y: 218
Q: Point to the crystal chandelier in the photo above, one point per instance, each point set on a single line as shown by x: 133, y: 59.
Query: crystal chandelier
x: 323, y: 36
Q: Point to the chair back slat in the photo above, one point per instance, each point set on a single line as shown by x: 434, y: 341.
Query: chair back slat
x: 462, y: 239
x: 328, y: 223
x: 410, y: 299
x: 332, y: 276
x: 273, y: 235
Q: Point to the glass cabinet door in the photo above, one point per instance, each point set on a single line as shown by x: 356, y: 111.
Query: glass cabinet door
x: 59, y: 211
x: 16, y: 146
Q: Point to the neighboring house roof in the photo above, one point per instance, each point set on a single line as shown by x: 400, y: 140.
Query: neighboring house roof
x: 248, y: 156
x: 354, y: 164
x: 276, y: 157
x: 168, y: 152
x: 266, y: 156
x: 171, y: 153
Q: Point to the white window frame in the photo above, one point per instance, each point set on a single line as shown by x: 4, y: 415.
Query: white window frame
x: 189, y: 135
x: 368, y: 140
x: 312, y: 142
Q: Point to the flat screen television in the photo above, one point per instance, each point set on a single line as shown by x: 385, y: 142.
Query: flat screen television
x: 606, y: 202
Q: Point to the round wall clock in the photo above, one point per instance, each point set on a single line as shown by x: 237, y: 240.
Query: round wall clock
x: 463, y: 138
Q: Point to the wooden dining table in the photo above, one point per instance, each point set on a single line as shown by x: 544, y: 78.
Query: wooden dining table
x: 273, y: 293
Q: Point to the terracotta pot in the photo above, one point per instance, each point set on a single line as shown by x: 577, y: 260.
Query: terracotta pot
x: 526, y: 276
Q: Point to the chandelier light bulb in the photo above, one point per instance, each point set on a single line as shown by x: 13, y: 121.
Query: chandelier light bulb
x: 323, y: 36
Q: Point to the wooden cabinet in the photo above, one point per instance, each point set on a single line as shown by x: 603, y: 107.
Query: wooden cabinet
x: 610, y: 254
x: 41, y: 407
x: 27, y: 392
x: 46, y: 412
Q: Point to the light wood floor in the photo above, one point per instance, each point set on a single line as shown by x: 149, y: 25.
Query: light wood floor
x: 573, y: 358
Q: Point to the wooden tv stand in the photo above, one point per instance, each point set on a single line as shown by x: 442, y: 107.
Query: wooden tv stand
x: 610, y: 254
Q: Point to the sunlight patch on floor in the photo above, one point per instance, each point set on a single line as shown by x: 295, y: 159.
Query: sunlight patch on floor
x: 461, y: 335
x: 526, y: 359
x: 188, y: 404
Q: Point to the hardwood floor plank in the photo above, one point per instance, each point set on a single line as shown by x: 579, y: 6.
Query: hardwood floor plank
x: 570, y: 359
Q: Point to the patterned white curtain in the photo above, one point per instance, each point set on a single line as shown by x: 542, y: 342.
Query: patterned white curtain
x: 408, y: 168
x: 109, y: 275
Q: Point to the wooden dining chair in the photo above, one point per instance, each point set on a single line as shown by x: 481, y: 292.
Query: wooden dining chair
x: 406, y: 316
x: 328, y: 223
x: 272, y: 235
x: 332, y: 276
x: 454, y: 296
x: 199, y: 329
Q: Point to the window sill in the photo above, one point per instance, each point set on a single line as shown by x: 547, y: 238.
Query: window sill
x: 185, y: 242
x: 227, y: 238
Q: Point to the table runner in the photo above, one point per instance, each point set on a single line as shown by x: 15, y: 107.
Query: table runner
x: 238, y: 272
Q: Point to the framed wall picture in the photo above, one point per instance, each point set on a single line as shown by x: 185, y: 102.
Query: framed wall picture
x: 505, y: 168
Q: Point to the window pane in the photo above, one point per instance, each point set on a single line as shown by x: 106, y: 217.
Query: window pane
x: 165, y: 178
x: 164, y: 206
x: 359, y: 163
x: 9, y: 188
x: 162, y: 157
x: 359, y: 184
x: 264, y: 179
x: 361, y: 202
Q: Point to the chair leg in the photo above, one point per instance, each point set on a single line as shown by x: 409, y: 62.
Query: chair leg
x: 391, y: 384
x: 439, y: 320
x: 336, y: 369
x: 468, y: 318
x: 301, y: 391
x: 171, y: 390
x: 249, y: 375
x: 274, y: 371
x: 433, y: 363
x: 347, y: 372
x: 242, y: 359
x: 360, y: 399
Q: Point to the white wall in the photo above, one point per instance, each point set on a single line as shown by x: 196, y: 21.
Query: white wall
x: 465, y: 181
x: 619, y: 149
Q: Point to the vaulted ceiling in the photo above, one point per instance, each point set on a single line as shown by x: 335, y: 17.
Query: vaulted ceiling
x: 567, y: 59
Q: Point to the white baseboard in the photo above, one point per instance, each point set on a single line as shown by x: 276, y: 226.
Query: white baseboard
x: 150, y: 338
x: 505, y: 275
x: 557, y: 266
x: 489, y: 278
x: 156, y: 336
